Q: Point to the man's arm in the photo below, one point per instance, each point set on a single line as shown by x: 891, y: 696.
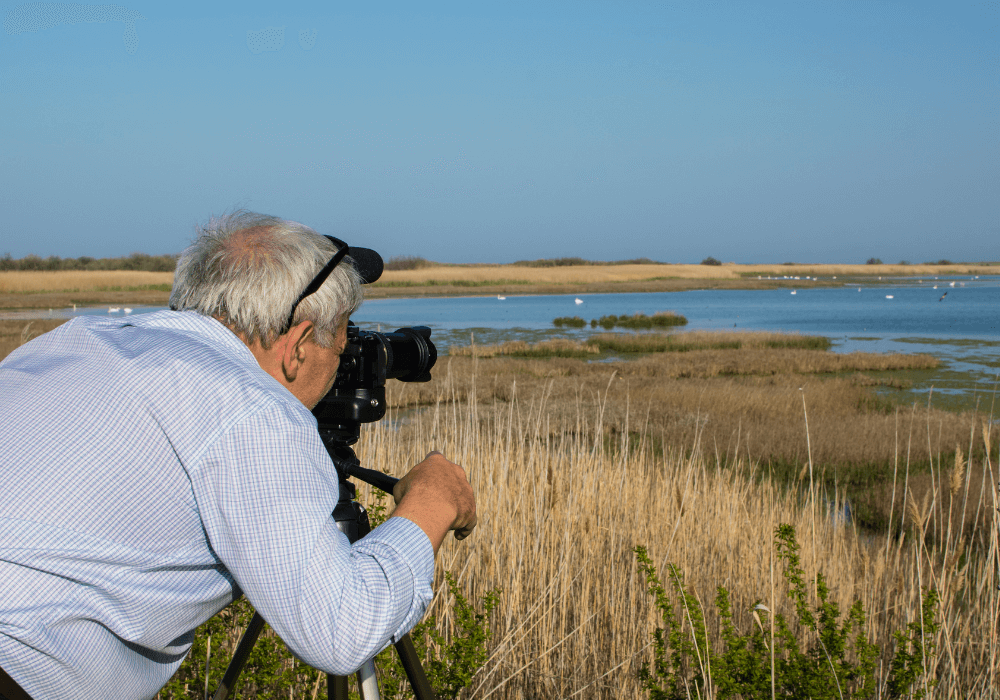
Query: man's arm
x: 437, y: 496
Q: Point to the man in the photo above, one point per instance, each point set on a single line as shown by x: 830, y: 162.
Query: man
x: 156, y: 467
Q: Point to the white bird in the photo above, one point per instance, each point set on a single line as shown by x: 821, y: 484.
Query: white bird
x: 859, y: 289
x: 127, y: 310
x: 793, y: 291
x: 500, y: 297
x: 951, y: 284
x: 888, y: 296
x: 113, y: 309
x: 578, y: 300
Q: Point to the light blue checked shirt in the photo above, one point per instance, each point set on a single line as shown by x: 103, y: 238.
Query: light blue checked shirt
x: 150, y: 471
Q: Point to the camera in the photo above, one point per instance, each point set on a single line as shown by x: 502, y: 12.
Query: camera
x: 368, y: 360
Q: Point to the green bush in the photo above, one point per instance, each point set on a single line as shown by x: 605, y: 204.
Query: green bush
x: 711, y: 261
x: 451, y: 663
x: 571, y: 321
x: 662, y: 319
x: 819, y: 656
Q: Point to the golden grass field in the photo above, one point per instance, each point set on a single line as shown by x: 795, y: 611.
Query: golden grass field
x: 564, y: 495
x: 69, y: 281
x: 563, y: 502
x: 19, y: 290
x: 698, y: 456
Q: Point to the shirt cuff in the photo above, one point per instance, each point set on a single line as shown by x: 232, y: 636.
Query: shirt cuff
x: 414, y: 549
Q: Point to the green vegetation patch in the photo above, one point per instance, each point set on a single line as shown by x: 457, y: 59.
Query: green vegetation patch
x: 569, y: 322
x: 661, y: 319
x: 821, y: 654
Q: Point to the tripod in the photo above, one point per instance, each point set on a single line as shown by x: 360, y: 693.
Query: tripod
x: 352, y: 519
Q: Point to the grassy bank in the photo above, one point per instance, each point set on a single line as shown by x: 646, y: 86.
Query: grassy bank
x: 59, y: 290
x: 561, y: 509
x: 46, y: 289
x: 562, y: 503
x: 697, y: 455
x: 743, y: 395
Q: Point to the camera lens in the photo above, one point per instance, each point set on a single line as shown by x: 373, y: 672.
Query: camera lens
x: 410, y: 354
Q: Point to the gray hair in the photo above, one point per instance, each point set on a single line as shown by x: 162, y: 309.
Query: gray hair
x: 247, y: 270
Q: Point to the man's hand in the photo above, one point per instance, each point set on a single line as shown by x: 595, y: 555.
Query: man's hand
x: 437, y: 496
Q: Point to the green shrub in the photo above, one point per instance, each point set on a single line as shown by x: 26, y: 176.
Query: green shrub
x: 451, y: 663
x: 571, y: 321
x: 661, y: 319
x: 819, y: 656
x: 711, y: 261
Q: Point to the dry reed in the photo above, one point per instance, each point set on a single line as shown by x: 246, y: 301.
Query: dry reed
x: 556, y: 347
x: 560, y: 511
x: 79, y: 280
x: 14, y: 334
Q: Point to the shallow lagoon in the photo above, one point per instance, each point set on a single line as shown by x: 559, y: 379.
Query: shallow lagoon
x: 903, y: 315
x: 910, y: 316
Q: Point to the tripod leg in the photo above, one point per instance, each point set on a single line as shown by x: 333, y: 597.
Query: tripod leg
x: 414, y: 671
x: 367, y: 682
x: 240, y: 657
x: 336, y: 687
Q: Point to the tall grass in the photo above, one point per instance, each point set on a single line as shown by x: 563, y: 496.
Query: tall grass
x: 556, y: 347
x: 561, y: 510
x: 14, y: 334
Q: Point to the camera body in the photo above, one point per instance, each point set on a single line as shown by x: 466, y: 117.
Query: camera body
x: 368, y: 360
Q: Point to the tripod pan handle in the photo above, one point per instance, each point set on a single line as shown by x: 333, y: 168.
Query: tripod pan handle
x: 377, y: 479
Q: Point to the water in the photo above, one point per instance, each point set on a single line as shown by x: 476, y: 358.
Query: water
x: 963, y: 328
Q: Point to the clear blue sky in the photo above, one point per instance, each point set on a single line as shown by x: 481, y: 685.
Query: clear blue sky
x: 500, y: 131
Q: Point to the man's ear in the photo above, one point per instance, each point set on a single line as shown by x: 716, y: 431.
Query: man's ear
x: 295, y: 348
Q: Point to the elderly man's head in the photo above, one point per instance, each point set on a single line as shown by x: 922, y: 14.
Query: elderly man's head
x: 248, y: 270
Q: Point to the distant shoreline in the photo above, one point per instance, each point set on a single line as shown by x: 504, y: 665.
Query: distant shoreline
x: 22, y: 291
